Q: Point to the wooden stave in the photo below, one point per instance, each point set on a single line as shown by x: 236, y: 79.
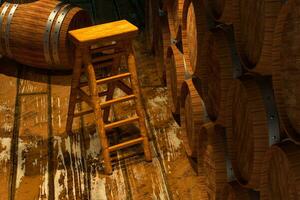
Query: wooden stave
x: 175, y: 75
x: 216, y: 69
x: 260, y: 58
x: 283, y: 160
x: 285, y: 84
x: 234, y: 191
x: 174, y: 10
x: 162, y: 45
x: 149, y: 17
x: 190, y: 98
x: 26, y: 48
x: 257, y: 137
x: 211, y: 159
x: 219, y: 10
x: 200, y: 19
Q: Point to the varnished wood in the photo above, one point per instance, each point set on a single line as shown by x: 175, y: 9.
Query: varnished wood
x: 211, y: 159
x: 234, y: 191
x: 126, y: 144
x: 175, y: 76
x: 174, y: 10
x: 286, y: 71
x: 281, y: 172
x: 194, y: 26
x: 192, y: 117
x: 254, y: 40
x: 104, y: 33
x: 121, y: 122
x: 27, y: 34
x: 216, y: 74
x: 220, y: 10
x: 247, y: 130
x: 85, y: 39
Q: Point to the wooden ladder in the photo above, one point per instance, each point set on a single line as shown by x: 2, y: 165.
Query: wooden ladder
x: 109, y: 42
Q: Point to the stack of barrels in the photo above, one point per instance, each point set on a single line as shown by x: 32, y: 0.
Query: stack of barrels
x: 233, y: 79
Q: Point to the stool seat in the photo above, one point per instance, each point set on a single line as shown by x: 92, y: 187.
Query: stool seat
x: 118, y: 30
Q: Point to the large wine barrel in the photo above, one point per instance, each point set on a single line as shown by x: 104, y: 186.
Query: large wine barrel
x: 36, y: 34
x: 175, y: 77
x: 280, y: 178
x: 192, y: 117
x: 174, y: 12
x: 234, y: 191
x: 194, y: 26
x: 20, y: 1
x: 162, y: 45
x: 211, y: 159
x: 254, y: 23
x: 247, y: 129
x: 216, y: 74
x: 219, y: 10
x: 286, y: 73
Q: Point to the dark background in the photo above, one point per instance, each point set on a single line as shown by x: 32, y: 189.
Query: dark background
x: 110, y: 10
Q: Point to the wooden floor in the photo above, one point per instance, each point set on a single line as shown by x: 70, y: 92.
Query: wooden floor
x: 38, y: 160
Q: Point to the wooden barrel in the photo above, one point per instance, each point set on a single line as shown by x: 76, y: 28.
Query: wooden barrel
x: 150, y: 17
x: 286, y: 73
x: 161, y: 47
x: 254, y: 23
x: 174, y: 13
x: 234, y: 191
x: 20, y: 1
x: 216, y: 74
x: 194, y: 26
x: 211, y: 159
x: 36, y: 34
x: 175, y: 77
x: 192, y: 117
x: 219, y: 10
x: 280, y: 178
x: 247, y: 130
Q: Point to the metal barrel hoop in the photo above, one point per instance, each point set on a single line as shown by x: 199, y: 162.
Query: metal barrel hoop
x: 265, y: 85
x: 7, y: 31
x: 229, y: 169
x: 56, y: 34
x: 47, y: 33
x: 2, y: 15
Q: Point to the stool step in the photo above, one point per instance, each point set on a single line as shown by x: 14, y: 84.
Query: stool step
x: 121, y: 122
x: 83, y: 113
x: 125, y: 144
x: 117, y: 100
x: 108, y: 57
x: 108, y: 79
x: 113, y: 78
x: 103, y: 48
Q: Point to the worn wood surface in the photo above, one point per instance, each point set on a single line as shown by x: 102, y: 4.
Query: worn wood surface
x: 39, y: 160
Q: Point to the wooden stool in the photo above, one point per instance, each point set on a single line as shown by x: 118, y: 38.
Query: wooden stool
x: 109, y: 42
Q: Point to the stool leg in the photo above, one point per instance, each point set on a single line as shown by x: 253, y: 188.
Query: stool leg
x: 111, y: 89
x: 98, y: 113
x: 139, y: 108
x: 74, y: 90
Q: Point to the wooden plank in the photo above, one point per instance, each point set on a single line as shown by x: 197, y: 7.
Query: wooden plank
x: 104, y: 187
x: 70, y: 178
x: 104, y: 32
x: 32, y: 169
x: 168, y: 144
x: 8, y: 72
x: 146, y: 178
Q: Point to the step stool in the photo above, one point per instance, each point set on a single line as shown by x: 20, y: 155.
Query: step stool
x: 109, y: 42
